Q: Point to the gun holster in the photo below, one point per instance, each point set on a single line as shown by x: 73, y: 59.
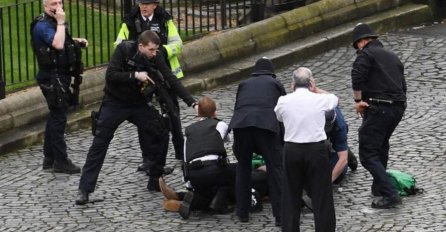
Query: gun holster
x: 94, y: 121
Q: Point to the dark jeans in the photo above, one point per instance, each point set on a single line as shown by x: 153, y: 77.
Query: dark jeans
x: 379, y: 122
x: 112, y: 114
x: 306, y: 166
x: 267, y: 143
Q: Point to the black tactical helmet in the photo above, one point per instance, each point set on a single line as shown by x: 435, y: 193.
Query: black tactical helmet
x: 148, y: 1
x: 362, y: 31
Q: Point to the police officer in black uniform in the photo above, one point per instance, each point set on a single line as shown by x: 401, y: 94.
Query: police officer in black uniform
x: 256, y: 130
x: 206, y: 165
x: 58, y: 57
x: 134, y: 74
x: 379, y: 90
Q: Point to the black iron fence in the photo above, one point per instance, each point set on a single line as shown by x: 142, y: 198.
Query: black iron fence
x: 99, y: 21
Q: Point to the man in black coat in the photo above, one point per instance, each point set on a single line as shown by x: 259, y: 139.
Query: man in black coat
x: 379, y: 89
x: 134, y: 68
x: 256, y: 130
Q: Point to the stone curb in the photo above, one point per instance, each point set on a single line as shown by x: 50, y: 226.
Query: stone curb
x: 28, y: 123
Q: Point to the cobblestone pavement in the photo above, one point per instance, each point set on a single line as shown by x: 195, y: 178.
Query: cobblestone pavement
x: 36, y: 200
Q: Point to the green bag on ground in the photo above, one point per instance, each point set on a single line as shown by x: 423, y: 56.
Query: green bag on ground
x: 404, y: 183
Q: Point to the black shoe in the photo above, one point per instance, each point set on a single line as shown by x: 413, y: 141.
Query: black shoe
x: 144, y: 167
x: 82, y: 197
x: 352, y: 161
x: 387, y: 202
x: 153, y: 184
x: 167, y: 170
x: 243, y: 218
x: 185, y: 205
x: 47, y: 162
x: 65, y: 166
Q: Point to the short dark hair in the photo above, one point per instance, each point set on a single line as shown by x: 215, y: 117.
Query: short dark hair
x: 149, y: 37
x: 206, y: 107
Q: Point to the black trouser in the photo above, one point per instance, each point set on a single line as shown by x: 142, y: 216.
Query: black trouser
x: 378, y: 124
x: 266, y: 143
x: 176, y: 130
x: 209, y: 180
x: 54, y: 146
x: 306, y: 165
x: 112, y: 114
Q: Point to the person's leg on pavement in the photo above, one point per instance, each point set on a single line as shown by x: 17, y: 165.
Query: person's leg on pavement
x: 243, y: 149
x: 48, y: 159
x: 176, y: 130
x: 293, y: 183
x: 318, y: 173
x: 153, y: 143
x: 372, y: 135
x: 270, y: 147
x: 109, y: 119
x: 58, y: 146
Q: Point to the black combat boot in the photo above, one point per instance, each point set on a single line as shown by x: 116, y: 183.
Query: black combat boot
x: 185, y: 205
x: 47, y: 162
x: 82, y: 197
x: 65, y: 166
x: 386, y: 202
x: 153, y: 184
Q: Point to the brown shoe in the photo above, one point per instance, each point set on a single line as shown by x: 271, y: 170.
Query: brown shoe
x: 171, y: 205
x: 167, y: 191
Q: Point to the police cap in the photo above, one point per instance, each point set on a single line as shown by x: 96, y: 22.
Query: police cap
x: 362, y: 31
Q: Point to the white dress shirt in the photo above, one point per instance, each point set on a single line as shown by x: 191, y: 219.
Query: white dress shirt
x: 303, y: 115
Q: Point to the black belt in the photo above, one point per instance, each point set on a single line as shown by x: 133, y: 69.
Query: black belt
x: 200, y: 163
x: 384, y: 101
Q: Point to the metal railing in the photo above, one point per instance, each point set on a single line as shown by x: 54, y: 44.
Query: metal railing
x: 99, y: 21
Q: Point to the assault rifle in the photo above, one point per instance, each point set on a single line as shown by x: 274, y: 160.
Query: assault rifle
x: 159, y: 90
x: 76, y: 70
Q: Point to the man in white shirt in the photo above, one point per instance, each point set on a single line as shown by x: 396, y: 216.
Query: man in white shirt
x: 306, y: 160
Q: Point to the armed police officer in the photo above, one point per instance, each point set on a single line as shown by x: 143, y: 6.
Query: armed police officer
x: 148, y: 15
x: 59, y: 59
x: 135, y: 73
